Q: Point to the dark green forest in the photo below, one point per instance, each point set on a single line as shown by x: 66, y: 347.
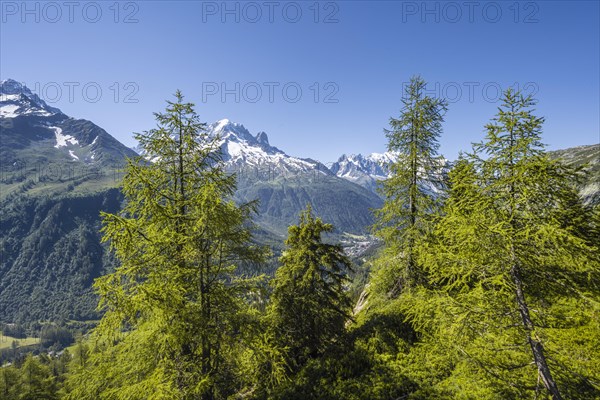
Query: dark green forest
x: 485, y: 285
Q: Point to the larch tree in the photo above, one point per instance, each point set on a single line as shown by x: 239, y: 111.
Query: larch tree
x: 514, y: 282
x: 412, y: 191
x: 174, y: 308
x: 309, y: 305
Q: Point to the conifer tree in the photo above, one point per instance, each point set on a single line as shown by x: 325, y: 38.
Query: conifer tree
x: 309, y: 304
x: 36, y: 380
x: 174, y: 308
x: 513, y: 282
x: 9, y: 382
x: 411, y: 191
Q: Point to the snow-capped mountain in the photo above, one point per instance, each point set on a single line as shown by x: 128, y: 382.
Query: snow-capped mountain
x: 16, y: 99
x: 28, y: 122
x: 364, y: 170
x: 367, y: 171
x: 284, y: 184
x: 243, y: 151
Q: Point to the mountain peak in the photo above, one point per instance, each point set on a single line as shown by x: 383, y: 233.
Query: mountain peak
x: 17, y: 99
x: 363, y: 170
x: 262, y: 138
x: 227, y: 129
x: 10, y: 86
x: 220, y: 124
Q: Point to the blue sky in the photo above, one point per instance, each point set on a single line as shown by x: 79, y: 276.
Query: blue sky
x: 349, y: 59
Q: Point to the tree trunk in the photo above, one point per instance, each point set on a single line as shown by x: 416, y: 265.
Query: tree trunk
x: 413, y: 188
x: 537, y: 348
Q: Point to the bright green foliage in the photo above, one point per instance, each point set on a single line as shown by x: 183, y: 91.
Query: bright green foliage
x: 175, y: 310
x: 34, y: 379
x: 410, y: 192
x: 512, y: 299
x: 369, y: 363
x: 264, y: 364
x: 309, y: 305
x: 9, y: 382
x: 494, y: 294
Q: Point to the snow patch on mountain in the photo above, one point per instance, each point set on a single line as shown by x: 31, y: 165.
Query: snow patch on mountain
x: 17, y: 99
x: 9, y: 111
x: 9, y: 97
x: 382, y: 158
x: 62, y: 140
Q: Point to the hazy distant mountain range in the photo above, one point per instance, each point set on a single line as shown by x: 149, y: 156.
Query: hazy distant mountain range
x: 57, y: 173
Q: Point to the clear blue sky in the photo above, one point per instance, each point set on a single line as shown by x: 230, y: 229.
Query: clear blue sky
x: 361, y: 58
